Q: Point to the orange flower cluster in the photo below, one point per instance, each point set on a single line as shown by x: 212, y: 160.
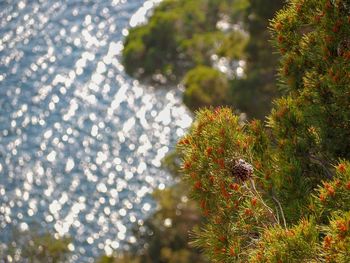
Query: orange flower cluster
x: 341, y: 168
x: 330, y: 189
x: 254, y: 201
x: 327, y: 241
x: 342, y: 227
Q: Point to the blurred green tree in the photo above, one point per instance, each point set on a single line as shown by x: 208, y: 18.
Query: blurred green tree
x: 35, y: 247
x: 185, y: 34
x: 205, y: 86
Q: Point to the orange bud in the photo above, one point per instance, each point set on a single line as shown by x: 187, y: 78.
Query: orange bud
x: 257, y: 165
x: 341, y: 168
x: 348, y: 185
x: 224, y: 191
x: 220, y: 151
x: 187, y: 165
x: 342, y: 227
x: 254, y: 201
x: 211, y: 179
x: 322, y: 197
x: 221, y: 163
x: 299, y: 8
x: 217, y: 110
x: 330, y: 191
x: 278, y: 26
x: 209, y: 151
x: 248, y: 212
x: 259, y: 257
x: 327, y: 241
x: 346, y: 55
x: 222, y: 132
x: 222, y: 239
x: 232, y: 251
x: 203, y: 204
x: 198, y: 185
x: 337, y: 183
x: 326, y: 185
x: 290, y: 233
x: 234, y: 187
x: 280, y: 39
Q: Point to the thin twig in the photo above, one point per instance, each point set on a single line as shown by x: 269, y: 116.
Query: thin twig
x: 278, y: 216
x: 282, y: 213
x: 262, y: 201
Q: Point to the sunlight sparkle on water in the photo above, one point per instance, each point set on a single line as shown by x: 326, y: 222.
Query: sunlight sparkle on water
x: 81, y: 142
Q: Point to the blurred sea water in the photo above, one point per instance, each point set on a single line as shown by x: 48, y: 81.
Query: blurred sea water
x: 80, y: 141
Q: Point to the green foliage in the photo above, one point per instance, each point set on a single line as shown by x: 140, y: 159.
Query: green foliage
x: 172, y: 163
x: 313, y: 37
x: 333, y: 196
x: 235, y: 209
x: 204, y: 87
x: 299, y: 243
x: 281, y: 192
x: 201, y: 46
x: 182, y: 35
x: 233, y: 45
x: 123, y: 258
x: 336, y: 243
x: 158, y: 46
x: 153, y: 46
x: 254, y: 93
x: 32, y: 246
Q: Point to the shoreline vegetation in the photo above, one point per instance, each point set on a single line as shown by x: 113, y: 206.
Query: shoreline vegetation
x: 182, y: 38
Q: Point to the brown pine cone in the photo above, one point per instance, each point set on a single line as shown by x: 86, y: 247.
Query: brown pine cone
x: 242, y: 170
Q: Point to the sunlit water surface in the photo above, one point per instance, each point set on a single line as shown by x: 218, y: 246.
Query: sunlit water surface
x: 80, y: 141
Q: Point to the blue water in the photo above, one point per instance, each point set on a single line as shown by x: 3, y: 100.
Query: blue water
x: 80, y: 141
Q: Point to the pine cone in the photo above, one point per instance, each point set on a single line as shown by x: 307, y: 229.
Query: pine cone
x: 242, y: 170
